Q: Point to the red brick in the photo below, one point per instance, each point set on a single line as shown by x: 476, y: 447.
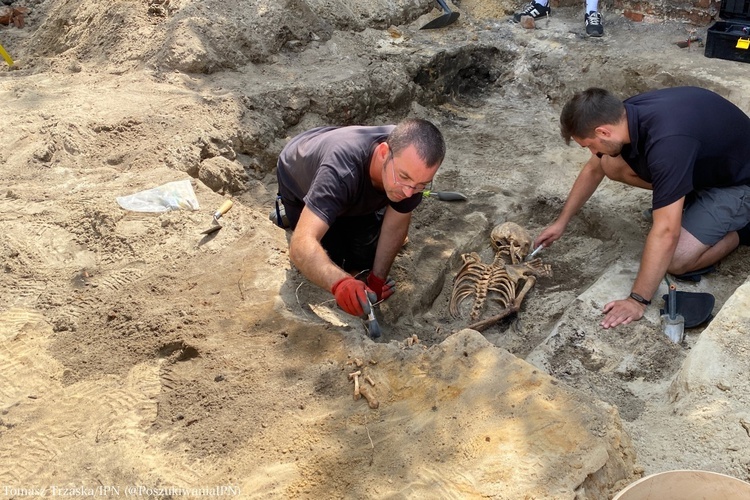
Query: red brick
x: 633, y: 16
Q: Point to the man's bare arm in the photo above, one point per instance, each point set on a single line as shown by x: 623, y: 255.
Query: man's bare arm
x: 661, y: 243
x: 392, y: 234
x: 658, y: 251
x: 309, y: 256
x: 585, y: 185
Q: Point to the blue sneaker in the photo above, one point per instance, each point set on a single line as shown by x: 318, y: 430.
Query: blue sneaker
x: 534, y: 10
x: 594, y: 24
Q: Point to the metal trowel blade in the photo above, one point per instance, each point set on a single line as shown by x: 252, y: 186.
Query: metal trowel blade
x: 674, y: 328
x: 212, y: 229
x: 442, y: 21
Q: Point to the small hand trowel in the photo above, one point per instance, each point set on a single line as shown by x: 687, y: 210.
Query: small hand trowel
x: 445, y: 195
x: 673, y: 323
x: 215, y: 226
x: 448, y: 17
x: 371, y: 323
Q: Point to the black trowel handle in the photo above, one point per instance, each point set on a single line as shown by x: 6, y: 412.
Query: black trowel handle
x: 444, y: 6
x: 672, y: 309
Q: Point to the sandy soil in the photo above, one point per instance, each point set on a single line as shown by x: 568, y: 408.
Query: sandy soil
x: 137, y: 351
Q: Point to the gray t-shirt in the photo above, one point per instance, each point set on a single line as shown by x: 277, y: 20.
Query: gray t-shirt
x: 327, y: 169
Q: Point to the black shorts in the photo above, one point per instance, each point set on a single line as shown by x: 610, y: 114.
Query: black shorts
x: 350, y: 242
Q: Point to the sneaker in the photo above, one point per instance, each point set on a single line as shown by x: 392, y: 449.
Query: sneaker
x: 279, y: 218
x: 594, y: 24
x: 534, y: 10
x: 695, y: 276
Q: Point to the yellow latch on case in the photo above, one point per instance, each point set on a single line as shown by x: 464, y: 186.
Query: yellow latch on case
x: 743, y: 43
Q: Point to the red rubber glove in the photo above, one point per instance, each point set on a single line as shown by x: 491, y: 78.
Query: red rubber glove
x: 352, y: 296
x: 382, y: 288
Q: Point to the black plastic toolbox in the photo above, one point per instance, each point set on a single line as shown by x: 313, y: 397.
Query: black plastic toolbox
x: 730, y: 38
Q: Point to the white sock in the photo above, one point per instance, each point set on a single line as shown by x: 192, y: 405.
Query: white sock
x: 545, y: 3
x: 591, y: 5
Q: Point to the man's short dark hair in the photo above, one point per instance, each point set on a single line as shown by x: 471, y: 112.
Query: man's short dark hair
x: 587, y: 110
x: 423, y: 135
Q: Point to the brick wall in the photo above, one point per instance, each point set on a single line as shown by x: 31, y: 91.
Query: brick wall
x: 697, y: 12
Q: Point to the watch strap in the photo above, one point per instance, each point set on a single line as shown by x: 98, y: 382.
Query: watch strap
x: 639, y: 299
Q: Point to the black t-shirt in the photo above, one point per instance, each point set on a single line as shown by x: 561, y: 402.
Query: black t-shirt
x: 684, y: 139
x: 328, y: 170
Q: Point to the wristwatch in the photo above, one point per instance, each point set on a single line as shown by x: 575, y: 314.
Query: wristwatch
x: 639, y: 299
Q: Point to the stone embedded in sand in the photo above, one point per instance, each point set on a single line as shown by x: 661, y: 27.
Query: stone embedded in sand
x: 222, y: 174
x: 528, y: 22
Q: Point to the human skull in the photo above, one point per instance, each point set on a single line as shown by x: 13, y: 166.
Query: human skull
x: 512, y: 239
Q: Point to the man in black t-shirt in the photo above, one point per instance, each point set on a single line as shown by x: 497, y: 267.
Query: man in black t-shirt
x: 692, y: 148
x: 348, y: 194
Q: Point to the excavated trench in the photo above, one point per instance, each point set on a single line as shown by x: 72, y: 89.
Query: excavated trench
x: 558, y: 325
x: 474, y: 95
x: 505, y: 154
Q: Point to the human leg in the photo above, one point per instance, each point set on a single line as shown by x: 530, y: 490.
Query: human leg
x: 616, y: 169
x: 534, y: 9
x: 744, y: 235
x: 291, y: 211
x: 351, y: 242
x: 691, y: 254
x: 712, y: 225
x: 278, y: 214
x: 593, y: 19
x: 286, y: 213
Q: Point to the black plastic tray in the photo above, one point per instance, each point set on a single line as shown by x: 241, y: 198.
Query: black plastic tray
x: 696, y: 307
x: 730, y: 39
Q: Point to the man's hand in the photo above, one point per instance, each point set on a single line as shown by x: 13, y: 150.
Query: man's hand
x: 622, y: 312
x: 551, y: 234
x: 383, y: 288
x: 352, y: 296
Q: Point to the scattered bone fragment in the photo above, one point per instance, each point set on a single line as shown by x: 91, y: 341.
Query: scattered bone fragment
x: 369, y: 396
x: 482, y: 325
x: 410, y: 341
x: 355, y: 376
x: 359, y: 378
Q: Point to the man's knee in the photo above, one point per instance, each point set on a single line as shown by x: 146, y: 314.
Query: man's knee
x: 617, y: 169
x: 681, y: 267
